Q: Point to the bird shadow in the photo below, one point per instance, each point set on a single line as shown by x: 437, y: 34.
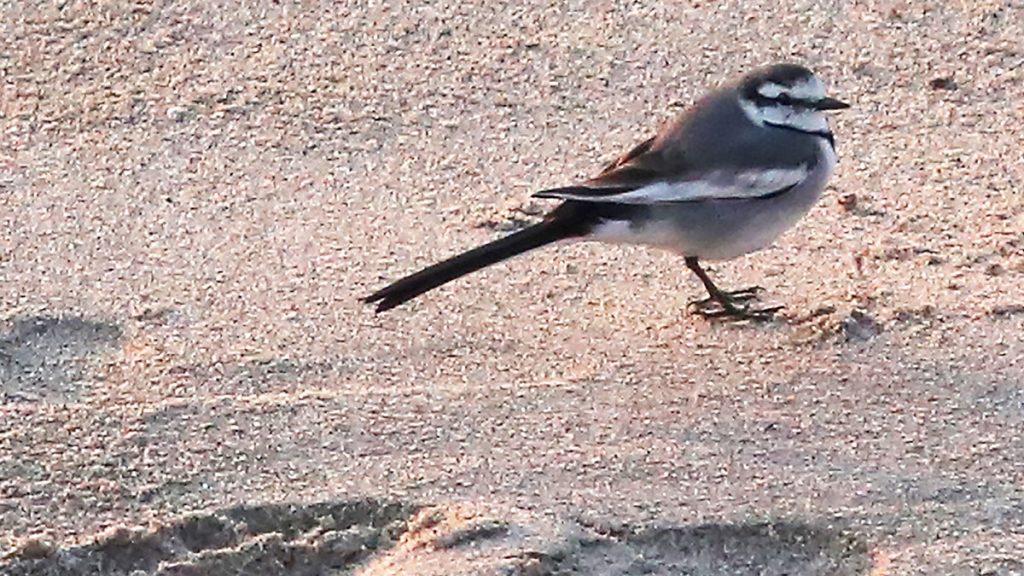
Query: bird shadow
x: 47, y: 357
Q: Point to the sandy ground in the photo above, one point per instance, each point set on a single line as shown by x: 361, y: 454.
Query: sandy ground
x: 194, y: 194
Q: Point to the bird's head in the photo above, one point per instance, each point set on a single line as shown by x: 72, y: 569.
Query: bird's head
x: 787, y: 95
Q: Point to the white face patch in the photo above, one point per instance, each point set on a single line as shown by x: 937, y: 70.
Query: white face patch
x: 810, y: 88
x: 770, y: 89
x: 752, y: 111
x: 803, y: 120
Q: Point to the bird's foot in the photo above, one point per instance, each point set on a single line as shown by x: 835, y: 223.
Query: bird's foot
x: 742, y: 312
x: 734, y: 297
x: 734, y: 305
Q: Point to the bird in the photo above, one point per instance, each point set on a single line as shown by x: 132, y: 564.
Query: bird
x: 724, y: 178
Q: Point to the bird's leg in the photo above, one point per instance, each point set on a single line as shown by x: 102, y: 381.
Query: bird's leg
x: 730, y: 304
x: 716, y: 294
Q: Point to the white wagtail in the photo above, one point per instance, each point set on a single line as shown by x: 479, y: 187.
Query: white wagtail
x: 725, y: 178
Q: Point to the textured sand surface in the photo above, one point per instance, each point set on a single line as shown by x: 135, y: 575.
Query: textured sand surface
x: 193, y: 195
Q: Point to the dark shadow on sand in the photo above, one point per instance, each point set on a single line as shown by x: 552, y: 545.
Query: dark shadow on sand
x: 46, y: 357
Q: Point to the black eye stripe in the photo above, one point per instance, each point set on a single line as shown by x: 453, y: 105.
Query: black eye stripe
x: 781, y: 99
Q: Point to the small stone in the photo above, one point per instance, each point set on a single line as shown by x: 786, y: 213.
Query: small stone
x: 859, y: 326
x: 943, y: 83
x: 177, y: 113
x: 848, y: 201
x: 923, y: 313
x: 1008, y: 310
x: 995, y: 270
x: 36, y: 547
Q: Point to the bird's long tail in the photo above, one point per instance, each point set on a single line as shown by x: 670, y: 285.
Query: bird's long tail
x: 560, y: 225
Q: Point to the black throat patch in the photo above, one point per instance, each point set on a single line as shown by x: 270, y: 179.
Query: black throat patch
x: 826, y: 134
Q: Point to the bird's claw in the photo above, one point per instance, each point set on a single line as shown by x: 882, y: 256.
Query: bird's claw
x: 741, y: 295
x: 733, y: 312
x: 734, y: 305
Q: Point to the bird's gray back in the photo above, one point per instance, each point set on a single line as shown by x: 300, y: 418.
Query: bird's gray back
x: 716, y: 134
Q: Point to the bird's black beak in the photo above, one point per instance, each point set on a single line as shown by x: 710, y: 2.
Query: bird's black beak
x: 830, y: 104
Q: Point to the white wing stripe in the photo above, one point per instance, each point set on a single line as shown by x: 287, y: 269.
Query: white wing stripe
x: 749, y: 184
